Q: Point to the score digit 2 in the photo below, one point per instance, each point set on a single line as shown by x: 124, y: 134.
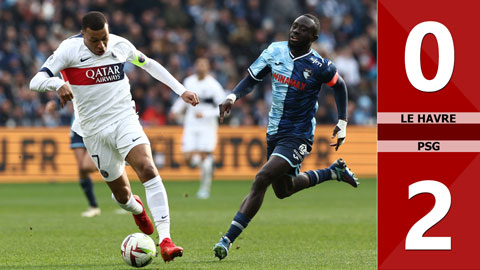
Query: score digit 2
x: 443, y: 200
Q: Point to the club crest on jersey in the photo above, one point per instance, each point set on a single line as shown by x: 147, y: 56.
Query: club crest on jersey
x: 307, y: 73
x: 104, y: 173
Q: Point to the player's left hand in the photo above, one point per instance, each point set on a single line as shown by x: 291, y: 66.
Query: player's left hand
x: 190, y: 98
x: 340, y: 131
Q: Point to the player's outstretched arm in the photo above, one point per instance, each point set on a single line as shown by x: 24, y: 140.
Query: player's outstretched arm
x: 160, y: 73
x: 341, y: 99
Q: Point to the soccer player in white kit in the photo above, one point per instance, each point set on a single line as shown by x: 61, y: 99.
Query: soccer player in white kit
x: 201, y: 122
x: 93, y: 63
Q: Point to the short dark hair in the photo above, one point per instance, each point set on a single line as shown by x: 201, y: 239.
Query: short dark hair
x: 315, y: 20
x: 94, y: 20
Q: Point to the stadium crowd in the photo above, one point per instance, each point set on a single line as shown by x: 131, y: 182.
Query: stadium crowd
x: 231, y: 33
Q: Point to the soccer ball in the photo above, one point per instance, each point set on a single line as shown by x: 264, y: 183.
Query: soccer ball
x: 138, y: 250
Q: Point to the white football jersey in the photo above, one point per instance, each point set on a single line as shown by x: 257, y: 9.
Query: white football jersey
x: 210, y: 93
x: 100, y: 87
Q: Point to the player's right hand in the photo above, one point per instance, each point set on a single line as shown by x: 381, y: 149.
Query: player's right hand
x: 225, y: 108
x: 340, y: 131
x: 190, y: 98
x: 65, y: 94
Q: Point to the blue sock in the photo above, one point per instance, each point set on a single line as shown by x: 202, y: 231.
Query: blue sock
x: 318, y: 176
x: 239, y: 223
x: 87, y: 187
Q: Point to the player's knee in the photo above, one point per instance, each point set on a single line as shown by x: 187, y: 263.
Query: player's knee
x: 148, y: 171
x: 262, y: 180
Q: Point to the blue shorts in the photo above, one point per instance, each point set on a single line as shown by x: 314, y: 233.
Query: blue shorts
x: 76, y: 141
x: 293, y: 150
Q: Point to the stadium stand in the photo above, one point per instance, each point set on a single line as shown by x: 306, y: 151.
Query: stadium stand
x: 231, y: 33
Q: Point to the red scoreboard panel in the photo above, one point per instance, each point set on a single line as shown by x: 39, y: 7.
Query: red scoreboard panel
x: 428, y: 134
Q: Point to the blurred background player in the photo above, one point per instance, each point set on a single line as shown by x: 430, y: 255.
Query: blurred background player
x: 94, y: 65
x: 85, y: 166
x: 298, y: 73
x: 200, y: 123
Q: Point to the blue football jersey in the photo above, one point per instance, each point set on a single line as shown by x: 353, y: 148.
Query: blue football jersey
x: 296, y: 83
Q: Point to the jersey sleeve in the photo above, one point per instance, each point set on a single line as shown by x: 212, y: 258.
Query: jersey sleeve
x: 57, y: 61
x: 329, y: 74
x: 261, y: 66
x: 135, y: 56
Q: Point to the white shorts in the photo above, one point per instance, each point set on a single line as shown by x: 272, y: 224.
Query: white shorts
x: 110, y: 147
x: 199, y: 139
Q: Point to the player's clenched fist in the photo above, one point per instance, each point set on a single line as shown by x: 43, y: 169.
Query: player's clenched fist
x: 65, y: 94
x: 190, y: 98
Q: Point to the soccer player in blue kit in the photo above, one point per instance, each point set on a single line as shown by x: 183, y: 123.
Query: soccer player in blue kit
x: 297, y: 75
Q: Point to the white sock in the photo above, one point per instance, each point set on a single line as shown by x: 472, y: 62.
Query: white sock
x: 131, y: 206
x: 207, y: 174
x: 158, y: 204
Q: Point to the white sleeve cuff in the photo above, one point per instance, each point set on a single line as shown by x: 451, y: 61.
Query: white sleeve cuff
x: 342, y: 124
x: 232, y: 97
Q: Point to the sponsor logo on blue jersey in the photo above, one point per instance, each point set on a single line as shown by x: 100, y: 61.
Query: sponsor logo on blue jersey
x: 288, y: 81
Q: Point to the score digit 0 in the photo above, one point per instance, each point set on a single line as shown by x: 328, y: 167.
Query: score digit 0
x: 446, y: 56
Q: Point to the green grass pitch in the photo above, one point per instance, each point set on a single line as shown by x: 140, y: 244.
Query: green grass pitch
x: 331, y: 226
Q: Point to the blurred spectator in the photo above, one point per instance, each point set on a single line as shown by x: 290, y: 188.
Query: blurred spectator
x: 6, y: 113
x: 363, y: 115
x: 154, y: 115
x: 231, y: 33
x: 348, y: 66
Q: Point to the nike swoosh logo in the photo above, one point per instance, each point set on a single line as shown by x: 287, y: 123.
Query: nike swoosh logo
x: 84, y: 59
x: 164, y: 216
x: 133, y: 140
x: 278, y: 63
